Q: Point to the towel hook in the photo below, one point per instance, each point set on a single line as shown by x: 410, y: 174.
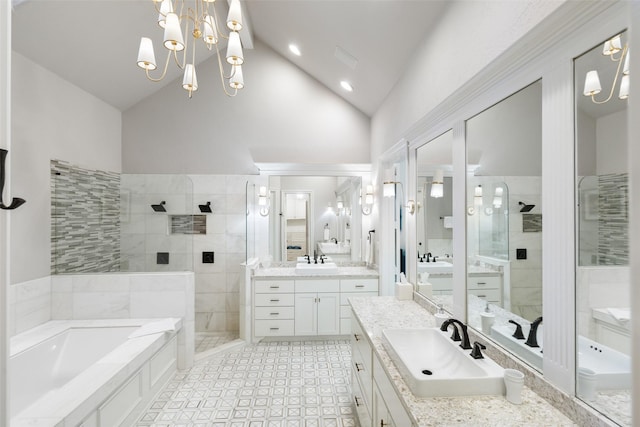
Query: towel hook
x: 16, y: 202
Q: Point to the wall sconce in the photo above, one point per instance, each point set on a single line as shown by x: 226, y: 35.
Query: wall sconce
x: 367, y: 205
x: 263, y: 201
x: 437, y: 184
x: 477, y: 196
x: 497, y: 197
x: 592, y: 85
x: 389, y: 190
x: 339, y: 203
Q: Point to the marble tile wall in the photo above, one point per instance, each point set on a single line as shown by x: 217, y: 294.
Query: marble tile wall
x: 85, y: 220
x: 29, y: 304
x: 613, y: 219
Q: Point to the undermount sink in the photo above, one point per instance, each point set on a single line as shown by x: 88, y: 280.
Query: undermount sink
x: 433, y: 365
x: 435, y: 267
x: 319, y: 268
x: 503, y: 334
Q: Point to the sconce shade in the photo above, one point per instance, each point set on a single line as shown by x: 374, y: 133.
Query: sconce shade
x: 165, y: 7
x: 592, y: 83
x: 612, y: 46
x: 146, y: 56
x: 389, y: 189
x: 624, y: 87
x: 234, y: 18
x: 497, y: 197
x: 262, y: 191
x: 172, y: 33
x: 437, y: 185
x: 368, y: 199
x: 234, y: 49
x: 237, y: 80
x: 209, y: 30
x: 190, y: 81
x: 477, y: 196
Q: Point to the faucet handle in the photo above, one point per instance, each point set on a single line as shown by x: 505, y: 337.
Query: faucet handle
x: 476, y: 353
x: 518, y: 332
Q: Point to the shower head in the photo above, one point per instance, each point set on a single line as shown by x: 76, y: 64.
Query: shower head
x: 525, y: 207
x: 160, y: 207
x: 205, y: 208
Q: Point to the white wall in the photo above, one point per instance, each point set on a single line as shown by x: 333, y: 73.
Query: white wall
x: 282, y: 115
x: 611, y: 137
x: 468, y: 38
x: 51, y: 119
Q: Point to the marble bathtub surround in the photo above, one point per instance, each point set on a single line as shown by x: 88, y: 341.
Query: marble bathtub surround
x: 534, y: 381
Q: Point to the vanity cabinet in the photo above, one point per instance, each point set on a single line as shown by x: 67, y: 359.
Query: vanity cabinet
x: 317, y: 307
x: 375, y: 399
x: 487, y: 287
x: 306, y: 306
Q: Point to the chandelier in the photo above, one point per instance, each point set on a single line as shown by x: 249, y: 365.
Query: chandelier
x: 197, y: 21
x: 592, y: 85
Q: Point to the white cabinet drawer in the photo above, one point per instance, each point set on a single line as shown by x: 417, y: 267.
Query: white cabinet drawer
x: 319, y: 285
x: 486, y: 282
x: 274, y: 312
x: 273, y: 286
x: 490, y: 295
x: 344, y: 296
x: 267, y: 328
x: 359, y: 401
x: 358, y: 285
x: 274, y: 300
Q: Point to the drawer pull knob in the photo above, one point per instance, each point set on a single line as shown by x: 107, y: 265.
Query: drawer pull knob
x: 482, y: 296
x: 359, y: 286
x: 359, y: 367
x: 274, y: 314
x: 482, y: 283
x: 357, y: 337
x: 275, y: 300
x: 275, y: 329
x: 274, y: 287
x: 382, y: 423
x: 357, y: 401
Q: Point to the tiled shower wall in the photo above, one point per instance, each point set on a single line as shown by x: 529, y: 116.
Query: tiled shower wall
x: 613, y: 219
x: 85, y: 219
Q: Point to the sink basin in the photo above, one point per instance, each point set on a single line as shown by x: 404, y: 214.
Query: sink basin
x: 503, y: 334
x: 433, y: 365
x: 326, y: 268
x: 328, y: 248
x: 438, y: 267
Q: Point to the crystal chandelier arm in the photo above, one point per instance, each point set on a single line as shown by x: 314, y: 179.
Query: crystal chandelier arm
x: 164, y: 72
x: 615, y: 80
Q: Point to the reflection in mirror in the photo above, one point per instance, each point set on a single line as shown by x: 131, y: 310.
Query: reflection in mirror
x: 434, y: 220
x: 602, y: 272
x: 504, y: 223
x: 315, y: 214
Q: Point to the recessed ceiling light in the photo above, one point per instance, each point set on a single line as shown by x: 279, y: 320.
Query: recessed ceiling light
x: 346, y: 86
x: 294, y: 49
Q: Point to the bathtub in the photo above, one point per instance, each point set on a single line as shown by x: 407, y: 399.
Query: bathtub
x: 89, y: 373
x: 612, y: 368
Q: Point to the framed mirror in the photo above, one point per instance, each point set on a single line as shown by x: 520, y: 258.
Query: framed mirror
x: 504, y: 223
x: 315, y: 214
x: 434, y: 220
x: 603, y: 340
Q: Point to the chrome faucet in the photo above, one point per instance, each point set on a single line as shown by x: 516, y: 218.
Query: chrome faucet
x: 456, y: 335
x: 532, y: 339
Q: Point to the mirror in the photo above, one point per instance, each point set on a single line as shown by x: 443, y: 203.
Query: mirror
x: 603, y: 339
x: 320, y: 214
x: 434, y: 220
x: 504, y: 222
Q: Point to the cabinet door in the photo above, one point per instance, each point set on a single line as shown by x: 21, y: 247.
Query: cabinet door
x: 306, y: 310
x: 328, y: 314
x: 381, y: 416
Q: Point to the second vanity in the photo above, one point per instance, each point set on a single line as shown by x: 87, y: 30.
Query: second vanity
x: 382, y: 397
x: 289, y: 303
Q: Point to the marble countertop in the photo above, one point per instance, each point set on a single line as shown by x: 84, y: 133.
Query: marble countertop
x: 343, y: 272
x: 378, y: 313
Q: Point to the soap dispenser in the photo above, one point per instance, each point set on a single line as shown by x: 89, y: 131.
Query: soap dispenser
x: 326, y: 232
x: 487, y: 318
x: 440, y: 316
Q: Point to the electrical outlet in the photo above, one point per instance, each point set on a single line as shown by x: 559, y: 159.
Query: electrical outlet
x: 521, y: 253
x: 207, y: 257
x: 162, y: 258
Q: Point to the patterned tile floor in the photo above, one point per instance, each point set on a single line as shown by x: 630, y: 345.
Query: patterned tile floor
x: 208, y: 340
x: 273, y: 383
